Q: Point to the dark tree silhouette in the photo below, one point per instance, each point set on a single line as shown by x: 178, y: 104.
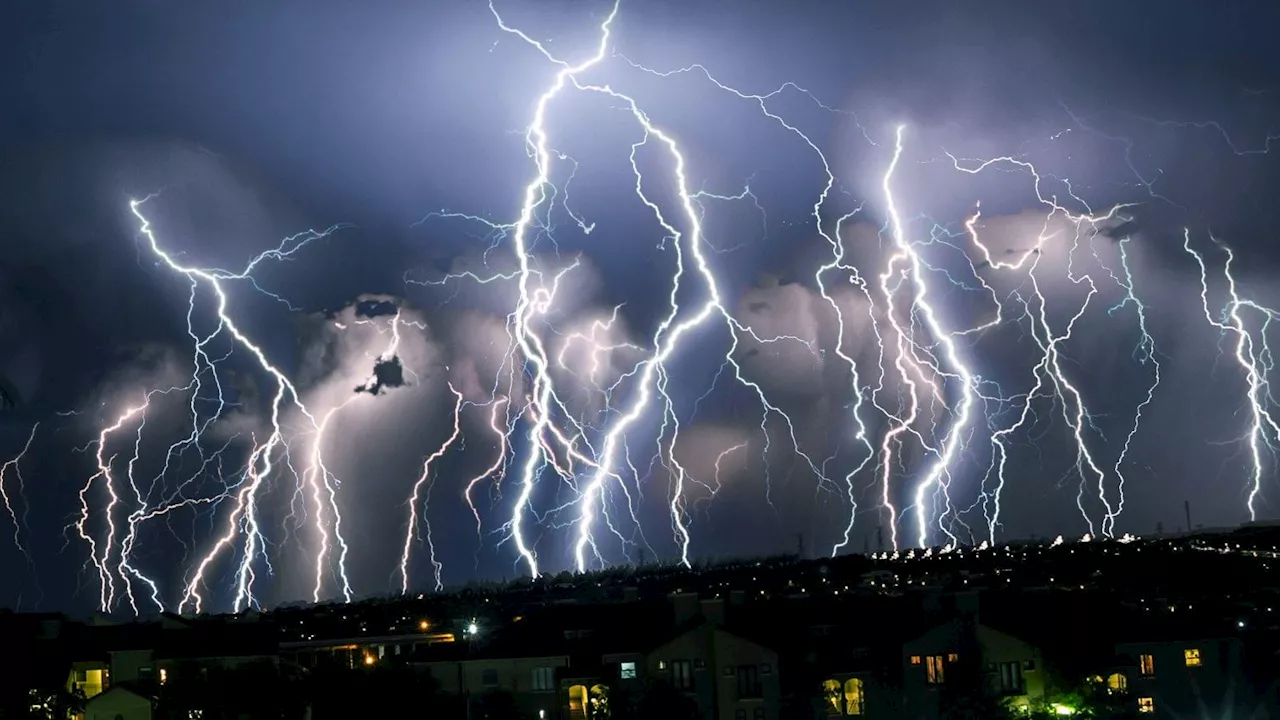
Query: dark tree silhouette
x: 652, y: 699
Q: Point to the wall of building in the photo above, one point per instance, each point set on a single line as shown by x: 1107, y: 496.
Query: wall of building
x: 735, y: 654
x: 1216, y: 687
x: 90, y: 678
x: 515, y: 676
x: 955, y: 644
x: 132, y: 666
x: 118, y: 705
x: 714, y: 658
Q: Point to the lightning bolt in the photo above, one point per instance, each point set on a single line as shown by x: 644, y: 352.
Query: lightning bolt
x: 1263, y: 430
x: 13, y: 465
x: 243, y: 494
x: 919, y: 416
x: 424, y: 481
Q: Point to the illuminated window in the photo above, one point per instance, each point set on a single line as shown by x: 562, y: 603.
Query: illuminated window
x: 952, y: 657
x: 1192, y: 656
x: 1147, y: 665
x: 831, y: 698
x: 164, y: 675
x: 915, y: 659
x: 934, y: 673
x: 853, y: 696
x: 627, y: 671
x: 600, y: 701
x: 1146, y: 705
x: 1117, y: 683
x: 578, y: 702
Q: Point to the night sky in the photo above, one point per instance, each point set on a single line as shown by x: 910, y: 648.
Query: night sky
x: 381, y: 150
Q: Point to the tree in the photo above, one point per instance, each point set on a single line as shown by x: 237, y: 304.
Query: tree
x: 652, y: 699
x: 495, y: 705
x: 383, y: 690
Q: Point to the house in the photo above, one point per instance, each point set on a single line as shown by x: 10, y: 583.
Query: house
x: 859, y: 675
x: 963, y: 660
x: 124, y: 669
x: 728, y: 675
x: 126, y: 701
x: 1186, y: 674
x: 528, y: 678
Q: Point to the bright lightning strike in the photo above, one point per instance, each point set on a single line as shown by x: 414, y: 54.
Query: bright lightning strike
x: 592, y: 406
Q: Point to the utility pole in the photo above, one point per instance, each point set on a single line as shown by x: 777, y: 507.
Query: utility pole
x: 880, y: 538
x: 1186, y: 506
x: 800, y: 545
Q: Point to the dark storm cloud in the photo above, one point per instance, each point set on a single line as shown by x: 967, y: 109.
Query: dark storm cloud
x: 387, y: 373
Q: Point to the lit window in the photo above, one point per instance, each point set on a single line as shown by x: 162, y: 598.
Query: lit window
x: 831, y: 695
x: 934, y: 674
x: 164, y: 675
x: 599, y: 702
x: 915, y: 659
x: 1147, y: 665
x: 1146, y: 705
x: 952, y: 657
x: 1117, y: 683
x: 853, y: 697
x: 627, y: 671
x: 1192, y: 656
x: 578, y: 702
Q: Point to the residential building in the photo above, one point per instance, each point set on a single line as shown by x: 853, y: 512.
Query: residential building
x: 965, y: 659
x: 1200, y: 676
x: 532, y: 682
x: 729, y: 676
x: 122, y: 702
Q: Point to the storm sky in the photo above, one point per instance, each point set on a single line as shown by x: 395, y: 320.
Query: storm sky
x: 392, y: 136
